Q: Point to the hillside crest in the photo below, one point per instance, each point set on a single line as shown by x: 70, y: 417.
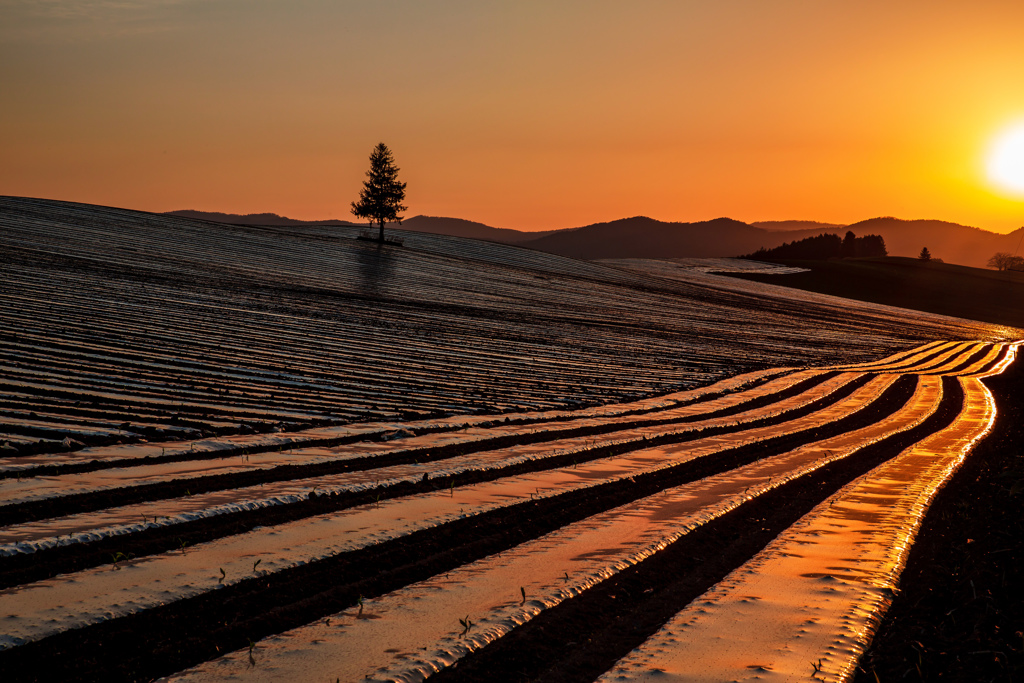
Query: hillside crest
x: 645, y: 237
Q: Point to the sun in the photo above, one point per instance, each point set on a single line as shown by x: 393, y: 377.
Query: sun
x: 1006, y: 160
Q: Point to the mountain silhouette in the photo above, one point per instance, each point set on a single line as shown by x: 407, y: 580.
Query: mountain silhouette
x: 951, y: 242
x: 643, y: 237
x: 459, y: 227
x: 251, y: 218
x: 798, y: 225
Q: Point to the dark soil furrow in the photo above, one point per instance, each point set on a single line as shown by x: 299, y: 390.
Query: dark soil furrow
x: 25, y: 568
x: 973, y: 358
x: 92, y: 466
x: 581, y: 638
x: 958, y: 614
x: 165, y: 639
x: 988, y: 367
x: 99, y: 500
x: 903, y: 365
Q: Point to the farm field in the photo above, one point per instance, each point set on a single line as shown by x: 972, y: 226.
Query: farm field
x: 284, y: 453
x: 944, y: 288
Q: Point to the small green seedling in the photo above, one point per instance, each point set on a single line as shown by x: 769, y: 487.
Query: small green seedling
x: 256, y: 564
x: 119, y: 557
x: 466, y: 625
x: 252, y: 660
x: 522, y: 591
x: 222, y: 576
x: 360, y: 605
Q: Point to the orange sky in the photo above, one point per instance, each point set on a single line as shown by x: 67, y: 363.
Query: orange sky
x: 526, y: 114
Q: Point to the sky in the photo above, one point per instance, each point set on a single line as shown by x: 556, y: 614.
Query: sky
x: 519, y: 114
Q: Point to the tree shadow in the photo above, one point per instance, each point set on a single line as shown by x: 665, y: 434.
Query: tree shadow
x: 376, y: 267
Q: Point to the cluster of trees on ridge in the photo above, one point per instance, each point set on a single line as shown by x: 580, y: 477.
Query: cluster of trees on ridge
x: 1003, y: 261
x: 828, y: 245
x: 824, y: 246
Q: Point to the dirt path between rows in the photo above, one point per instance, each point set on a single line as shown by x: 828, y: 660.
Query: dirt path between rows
x: 959, y: 615
x: 166, y: 639
x: 20, y: 569
x: 578, y: 640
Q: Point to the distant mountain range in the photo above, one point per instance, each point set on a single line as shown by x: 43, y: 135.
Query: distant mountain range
x: 647, y: 238
x: 463, y: 228
x: 797, y: 225
x: 251, y: 218
x: 642, y: 237
x: 457, y: 227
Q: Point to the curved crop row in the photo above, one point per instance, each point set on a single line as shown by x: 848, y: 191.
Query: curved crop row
x: 646, y: 523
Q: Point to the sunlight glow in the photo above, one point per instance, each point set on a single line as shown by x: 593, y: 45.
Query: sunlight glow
x: 1006, y: 160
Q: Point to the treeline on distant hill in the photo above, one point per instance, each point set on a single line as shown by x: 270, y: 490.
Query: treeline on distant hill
x: 825, y: 246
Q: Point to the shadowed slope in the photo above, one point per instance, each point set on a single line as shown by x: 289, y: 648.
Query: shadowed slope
x: 943, y: 288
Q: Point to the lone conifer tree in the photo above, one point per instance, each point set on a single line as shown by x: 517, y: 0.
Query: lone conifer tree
x: 925, y: 255
x: 380, y: 200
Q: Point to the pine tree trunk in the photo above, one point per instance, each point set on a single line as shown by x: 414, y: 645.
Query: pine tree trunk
x: 381, y: 237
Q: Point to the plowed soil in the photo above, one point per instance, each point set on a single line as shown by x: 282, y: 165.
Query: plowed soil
x: 959, y: 615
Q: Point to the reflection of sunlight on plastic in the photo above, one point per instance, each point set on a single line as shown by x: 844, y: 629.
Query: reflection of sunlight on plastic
x: 1006, y: 160
x: 808, y: 604
x: 495, y: 597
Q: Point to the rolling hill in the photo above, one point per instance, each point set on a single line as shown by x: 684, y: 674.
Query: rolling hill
x: 250, y: 218
x: 951, y: 242
x: 455, y: 227
x: 219, y: 444
x: 778, y: 226
x: 643, y: 237
x: 947, y: 289
x: 458, y: 227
